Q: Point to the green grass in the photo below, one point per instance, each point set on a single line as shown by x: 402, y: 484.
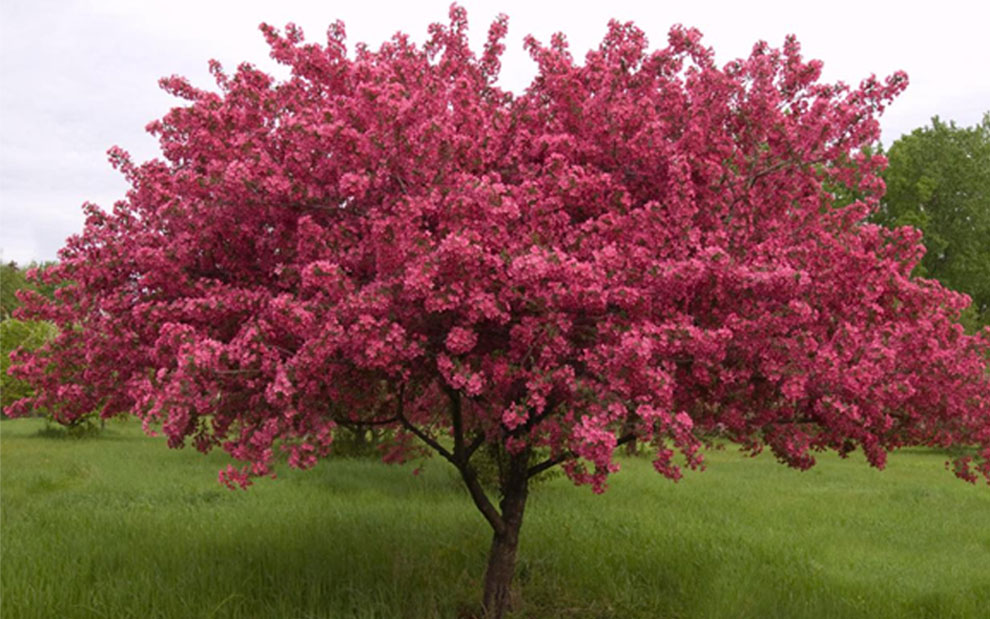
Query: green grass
x: 120, y: 526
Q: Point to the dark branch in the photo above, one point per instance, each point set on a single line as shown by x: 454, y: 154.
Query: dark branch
x: 551, y: 405
x: 479, y: 440
x: 625, y: 439
x: 549, y: 463
x: 456, y: 419
x: 239, y: 371
x: 468, y: 474
x: 480, y: 498
x: 423, y: 436
x: 369, y: 422
x: 767, y: 171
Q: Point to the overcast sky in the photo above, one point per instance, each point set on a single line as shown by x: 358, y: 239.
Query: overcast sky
x: 77, y: 77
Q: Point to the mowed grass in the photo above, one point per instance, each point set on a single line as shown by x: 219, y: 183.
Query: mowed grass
x: 120, y: 526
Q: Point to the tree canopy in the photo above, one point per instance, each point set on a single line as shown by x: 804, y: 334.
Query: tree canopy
x: 938, y: 180
x: 638, y: 246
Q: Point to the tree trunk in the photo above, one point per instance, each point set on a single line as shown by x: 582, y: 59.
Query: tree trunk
x: 502, y: 555
x: 498, y: 575
x: 632, y: 448
x: 628, y: 427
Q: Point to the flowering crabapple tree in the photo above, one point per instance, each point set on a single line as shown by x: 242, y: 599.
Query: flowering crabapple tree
x: 641, y: 247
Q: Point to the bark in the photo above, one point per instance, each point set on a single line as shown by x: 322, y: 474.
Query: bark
x: 632, y: 448
x: 498, y: 575
x: 628, y: 429
x: 502, y: 555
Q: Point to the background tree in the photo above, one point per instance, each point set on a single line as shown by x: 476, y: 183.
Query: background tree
x: 938, y: 180
x: 13, y: 279
x: 636, y: 247
x: 19, y: 334
x: 15, y: 333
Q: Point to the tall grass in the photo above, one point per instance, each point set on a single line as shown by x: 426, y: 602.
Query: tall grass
x: 120, y: 526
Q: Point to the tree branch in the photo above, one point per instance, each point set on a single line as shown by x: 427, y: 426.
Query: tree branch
x: 480, y: 498
x: 423, y: 436
x: 532, y: 422
x: 468, y: 474
x: 549, y: 463
x: 625, y: 439
x: 479, y: 440
x: 238, y: 371
x: 456, y: 420
x: 370, y: 422
x: 766, y: 171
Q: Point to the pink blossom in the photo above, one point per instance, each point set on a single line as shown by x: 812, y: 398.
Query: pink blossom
x: 461, y: 340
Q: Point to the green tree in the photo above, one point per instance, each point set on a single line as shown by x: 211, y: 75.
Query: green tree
x: 11, y: 280
x: 938, y: 180
x: 14, y: 334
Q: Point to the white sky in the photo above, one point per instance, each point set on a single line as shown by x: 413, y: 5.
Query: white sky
x: 78, y: 77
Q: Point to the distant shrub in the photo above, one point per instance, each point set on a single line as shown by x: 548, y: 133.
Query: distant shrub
x: 359, y: 442
x: 87, y: 427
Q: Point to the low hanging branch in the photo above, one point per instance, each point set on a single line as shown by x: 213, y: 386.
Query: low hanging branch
x: 549, y: 463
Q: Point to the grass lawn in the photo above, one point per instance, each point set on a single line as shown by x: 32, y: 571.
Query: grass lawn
x: 119, y: 526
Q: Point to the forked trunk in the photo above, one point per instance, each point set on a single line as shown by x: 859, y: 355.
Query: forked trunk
x: 501, y: 568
